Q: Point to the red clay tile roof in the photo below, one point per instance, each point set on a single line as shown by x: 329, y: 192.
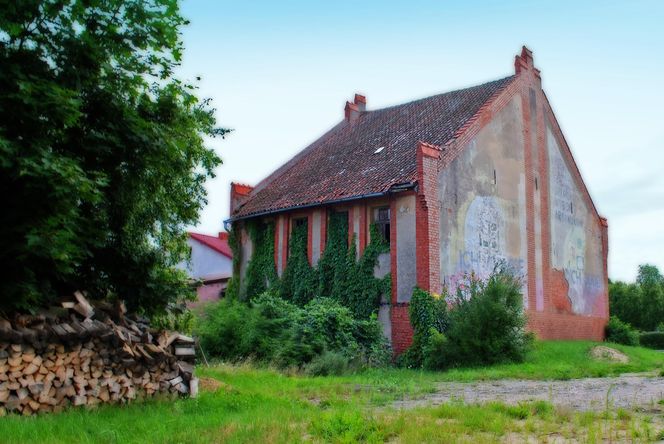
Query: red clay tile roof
x: 343, y: 163
x: 219, y: 244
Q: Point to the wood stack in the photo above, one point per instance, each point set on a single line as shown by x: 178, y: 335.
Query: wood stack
x: 82, y: 354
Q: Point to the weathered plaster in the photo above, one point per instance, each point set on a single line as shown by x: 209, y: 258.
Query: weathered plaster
x: 576, y: 239
x: 406, y: 247
x: 246, y: 251
x: 482, y: 194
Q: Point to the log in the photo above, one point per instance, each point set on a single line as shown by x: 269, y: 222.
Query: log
x: 58, y: 358
x: 83, y: 307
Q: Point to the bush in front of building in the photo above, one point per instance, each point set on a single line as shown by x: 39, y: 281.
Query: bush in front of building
x: 621, y: 332
x: 485, y: 325
x: 652, y: 339
x: 428, y: 317
x: 314, y: 338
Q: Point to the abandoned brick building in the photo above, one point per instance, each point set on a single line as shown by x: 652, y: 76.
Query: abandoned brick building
x: 457, y: 182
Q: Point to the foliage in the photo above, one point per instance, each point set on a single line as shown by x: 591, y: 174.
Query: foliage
x: 332, y: 266
x: 102, y: 152
x: 176, y: 317
x: 652, y: 339
x: 434, y: 350
x: 428, y: 316
x: 261, y: 270
x: 338, y: 275
x: 485, y: 325
x: 233, y: 287
x: 272, y: 330
x: 363, y: 290
x: 328, y: 363
x: 640, y: 304
x: 222, y: 330
x: 299, y: 281
x: 621, y: 332
x: 348, y: 280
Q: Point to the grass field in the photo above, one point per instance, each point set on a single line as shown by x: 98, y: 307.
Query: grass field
x: 245, y: 404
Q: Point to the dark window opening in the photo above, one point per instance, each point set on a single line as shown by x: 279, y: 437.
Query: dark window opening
x: 381, y: 218
x: 299, y: 222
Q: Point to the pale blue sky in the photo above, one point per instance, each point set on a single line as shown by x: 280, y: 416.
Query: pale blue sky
x: 279, y: 74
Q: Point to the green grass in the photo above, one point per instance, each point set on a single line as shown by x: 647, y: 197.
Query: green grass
x: 263, y: 405
x: 563, y: 360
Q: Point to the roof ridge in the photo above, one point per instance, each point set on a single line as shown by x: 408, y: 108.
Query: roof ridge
x: 412, y: 102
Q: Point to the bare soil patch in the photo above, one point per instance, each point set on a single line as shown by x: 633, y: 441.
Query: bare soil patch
x: 596, y: 394
x: 212, y: 385
x: 604, y: 353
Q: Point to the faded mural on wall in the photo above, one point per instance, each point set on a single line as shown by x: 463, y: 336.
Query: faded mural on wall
x: 483, y: 216
x: 576, y: 245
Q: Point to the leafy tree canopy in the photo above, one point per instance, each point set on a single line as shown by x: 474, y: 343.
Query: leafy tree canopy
x: 102, y: 151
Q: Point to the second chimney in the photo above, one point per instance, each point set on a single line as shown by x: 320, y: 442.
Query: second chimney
x: 352, y: 110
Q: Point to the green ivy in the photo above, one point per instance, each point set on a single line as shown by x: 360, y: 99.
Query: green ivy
x: 346, y: 279
x: 233, y: 288
x: 363, y: 290
x: 261, y: 270
x: 333, y: 264
x: 339, y: 274
x: 299, y: 281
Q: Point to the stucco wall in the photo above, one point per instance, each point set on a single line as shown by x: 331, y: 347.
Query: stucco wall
x: 246, y: 250
x: 406, y: 247
x: 316, y: 236
x: 576, y: 241
x: 207, y: 263
x: 482, y: 195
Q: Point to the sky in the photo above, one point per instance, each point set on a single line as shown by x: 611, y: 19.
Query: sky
x: 280, y: 72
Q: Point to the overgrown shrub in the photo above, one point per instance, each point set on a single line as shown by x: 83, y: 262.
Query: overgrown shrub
x: 328, y: 363
x: 274, y: 331
x: 652, y: 339
x: 177, y: 317
x: 487, y: 322
x: 434, y: 351
x: 485, y: 325
x: 621, y: 332
x: 428, y: 315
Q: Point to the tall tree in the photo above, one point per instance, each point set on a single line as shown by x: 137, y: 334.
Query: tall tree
x: 102, y: 151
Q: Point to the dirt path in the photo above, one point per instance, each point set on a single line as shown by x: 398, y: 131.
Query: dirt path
x: 627, y: 391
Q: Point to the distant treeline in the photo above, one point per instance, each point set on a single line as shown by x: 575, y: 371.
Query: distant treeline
x: 640, y: 304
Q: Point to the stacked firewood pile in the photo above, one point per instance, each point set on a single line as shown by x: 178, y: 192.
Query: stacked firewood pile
x: 80, y: 354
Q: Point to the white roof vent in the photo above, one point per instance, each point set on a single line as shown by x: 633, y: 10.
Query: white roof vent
x: 379, y: 150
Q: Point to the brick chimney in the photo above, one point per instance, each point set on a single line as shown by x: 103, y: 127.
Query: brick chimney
x: 524, y: 62
x: 352, y: 110
x: 239, y: 194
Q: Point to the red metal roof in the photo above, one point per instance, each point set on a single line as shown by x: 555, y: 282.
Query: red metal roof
x: 219, y: 244
x: 348, y: 162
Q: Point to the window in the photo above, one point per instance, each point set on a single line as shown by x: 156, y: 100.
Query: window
x: 381, y: 217
x: 299, y: 234
x: 299, y: 222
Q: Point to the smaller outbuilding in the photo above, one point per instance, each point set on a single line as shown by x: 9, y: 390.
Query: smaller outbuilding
x: 211, y: 263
